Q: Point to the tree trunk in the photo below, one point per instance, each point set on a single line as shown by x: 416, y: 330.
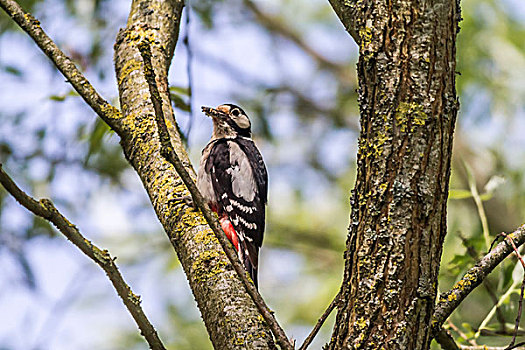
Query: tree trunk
x: 230, y: 316
x: 408, y: 109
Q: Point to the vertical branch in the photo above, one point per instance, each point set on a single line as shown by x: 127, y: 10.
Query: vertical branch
x: 520, y: 302
x: 479, y: 206
x: 408, y: 108
x: 189, y: 57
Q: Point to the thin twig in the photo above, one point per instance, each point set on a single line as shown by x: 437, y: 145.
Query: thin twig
x: 520, y: 302
x: 484, y: 347
x: 496, y: 333
x: 486, y: 282
x: 479, y: 206
x: 189, y: 57
x: 65, y: 65
x: 450, y: 300
x: 45, y: 209
x: 491, y: 313
x: 461, y: 333
x: 171, y: 156
x: 320, y: 322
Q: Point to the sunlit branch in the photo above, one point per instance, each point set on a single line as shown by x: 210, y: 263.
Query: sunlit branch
x: 65, y: 65
x: 171, y: 156
x: 451, y: 299
x: 45, y: 209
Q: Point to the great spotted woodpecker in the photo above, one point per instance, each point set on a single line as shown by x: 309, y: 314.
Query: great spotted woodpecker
x: 233, y: 179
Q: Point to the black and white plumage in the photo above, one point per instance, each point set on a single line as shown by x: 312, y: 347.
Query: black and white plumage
x: 233, y: 179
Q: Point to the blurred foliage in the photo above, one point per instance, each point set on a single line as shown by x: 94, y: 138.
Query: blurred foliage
x: 297, y: 80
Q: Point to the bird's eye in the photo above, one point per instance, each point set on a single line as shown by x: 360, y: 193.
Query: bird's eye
x: 235, y: 112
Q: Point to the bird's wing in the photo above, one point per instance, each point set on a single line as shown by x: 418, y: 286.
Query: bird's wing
x: 238, y: 191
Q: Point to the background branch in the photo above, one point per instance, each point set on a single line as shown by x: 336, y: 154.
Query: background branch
x: 45, y: 209
x: 486, y: 283
x: 320, y: 322
x: 171, y: 156
x: 65, y: 65
x: 451, y: 299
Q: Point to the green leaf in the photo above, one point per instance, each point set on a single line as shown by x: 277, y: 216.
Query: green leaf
x: 100, y: 129
x: 13, y: 71
x: 58, y: 98
x: 459, y: 194
x: 62, y: 98
x: 180, y: 90
x: 179, y: 103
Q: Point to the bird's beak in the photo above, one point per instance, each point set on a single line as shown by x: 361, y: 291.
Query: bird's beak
x: 219, y: 112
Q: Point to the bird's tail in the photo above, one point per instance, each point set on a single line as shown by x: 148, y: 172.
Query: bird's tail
x: 248, y: 252
x: 250, y: 257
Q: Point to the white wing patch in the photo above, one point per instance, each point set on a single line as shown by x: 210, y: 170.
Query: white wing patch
x: 243, y: 182
x: 244, y: 208
x: 250, y: 226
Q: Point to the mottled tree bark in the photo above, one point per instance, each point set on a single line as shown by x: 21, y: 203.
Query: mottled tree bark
x: 230, y: 316
x: 408, y: 109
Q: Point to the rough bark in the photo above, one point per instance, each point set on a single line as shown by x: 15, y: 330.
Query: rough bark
x: 231, y: 317
x: 408, y: 109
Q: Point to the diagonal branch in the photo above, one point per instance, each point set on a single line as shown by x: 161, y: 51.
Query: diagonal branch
x: 450, y: 300
x: 320, y: 322
x: 171, y: 156
x: 45, y: 209
x: 65, y: 65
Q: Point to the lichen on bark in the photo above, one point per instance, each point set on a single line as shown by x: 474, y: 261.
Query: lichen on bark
x: 408, y: 108
x: 230, y: 315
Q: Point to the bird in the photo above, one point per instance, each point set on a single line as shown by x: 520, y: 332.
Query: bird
x: 233, y: 179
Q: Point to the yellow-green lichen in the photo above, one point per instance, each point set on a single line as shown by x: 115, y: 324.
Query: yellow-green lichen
x: 361, y: 323
x: 238, y: 341
x: 137, y: 34
x: 129, y: 66
x: 376, y: 145
x: 207, y: 265
x: 110, y: 111
x: 205, y: 237
x: 134, y: 298
x: 365, y: 34
x: 410, y: 114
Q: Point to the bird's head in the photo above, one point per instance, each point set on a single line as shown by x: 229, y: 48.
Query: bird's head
x: 228, y: 121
